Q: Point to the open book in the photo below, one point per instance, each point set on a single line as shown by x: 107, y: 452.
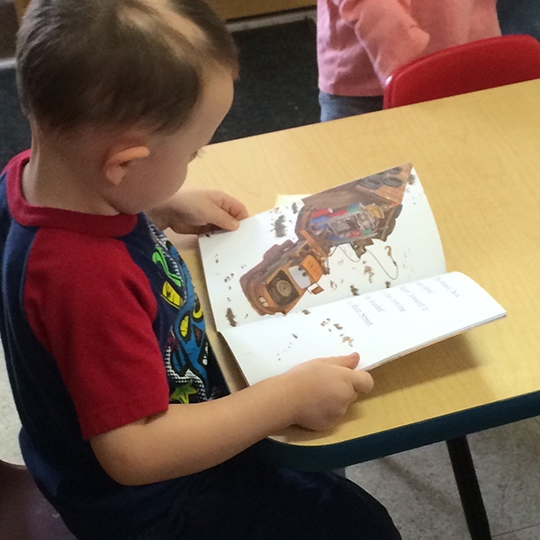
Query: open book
x: 356, y: 268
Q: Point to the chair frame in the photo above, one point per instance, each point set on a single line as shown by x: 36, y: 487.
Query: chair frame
x: 469, y: 67
x: 25, y: 514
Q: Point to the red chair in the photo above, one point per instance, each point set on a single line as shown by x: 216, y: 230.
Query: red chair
x: 464, y: 68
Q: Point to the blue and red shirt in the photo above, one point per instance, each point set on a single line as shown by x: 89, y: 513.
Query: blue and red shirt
x: 101, y: 327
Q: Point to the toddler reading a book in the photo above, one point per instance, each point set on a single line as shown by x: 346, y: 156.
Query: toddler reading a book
x: 128, y: 429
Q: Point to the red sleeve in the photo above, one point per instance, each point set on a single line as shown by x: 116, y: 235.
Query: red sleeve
x: 387, y: 31
x: 92, y: 308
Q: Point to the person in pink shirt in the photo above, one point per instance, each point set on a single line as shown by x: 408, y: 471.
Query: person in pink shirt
x: 360, y: 43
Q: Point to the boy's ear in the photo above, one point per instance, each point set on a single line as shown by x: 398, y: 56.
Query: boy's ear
x: 118, y: 162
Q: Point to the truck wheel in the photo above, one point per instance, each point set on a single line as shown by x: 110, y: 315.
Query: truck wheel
x: 371, y: 182
x: 392, y: 181
x: 284, y: 288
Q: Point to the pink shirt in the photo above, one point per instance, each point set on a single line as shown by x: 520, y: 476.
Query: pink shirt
x: 360, y: 42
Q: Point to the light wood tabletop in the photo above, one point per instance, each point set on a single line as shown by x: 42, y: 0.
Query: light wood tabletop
x: 478, y: 158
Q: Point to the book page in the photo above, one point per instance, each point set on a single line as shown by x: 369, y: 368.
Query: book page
x: 369, y: 234
x: 380, y: 326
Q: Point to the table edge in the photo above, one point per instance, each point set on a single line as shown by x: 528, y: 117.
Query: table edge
x: 393, y: 441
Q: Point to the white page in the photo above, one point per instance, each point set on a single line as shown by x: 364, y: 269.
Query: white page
x: 380, y: 326
x: 412, y: 251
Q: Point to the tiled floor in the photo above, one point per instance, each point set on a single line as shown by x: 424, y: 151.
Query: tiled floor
x: 9, y: 422
x: 419, y: 490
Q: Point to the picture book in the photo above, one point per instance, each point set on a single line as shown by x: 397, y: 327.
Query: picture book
x: 355, y: 268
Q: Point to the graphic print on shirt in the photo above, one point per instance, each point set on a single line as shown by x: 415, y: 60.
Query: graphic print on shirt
x: 186, y: 353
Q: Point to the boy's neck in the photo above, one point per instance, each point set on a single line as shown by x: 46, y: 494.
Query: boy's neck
x: 51, y: 179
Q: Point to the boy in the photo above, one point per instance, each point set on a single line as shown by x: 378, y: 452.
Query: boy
x: 112, y: 374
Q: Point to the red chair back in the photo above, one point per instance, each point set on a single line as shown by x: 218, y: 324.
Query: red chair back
x: 464, y: 68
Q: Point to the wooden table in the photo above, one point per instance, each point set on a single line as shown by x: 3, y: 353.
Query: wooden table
x: 478, y: 157
x: 20, y: 7
x: 229, y: 9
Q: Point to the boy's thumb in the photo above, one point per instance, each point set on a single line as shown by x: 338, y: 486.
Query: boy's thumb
x: 350, y: 360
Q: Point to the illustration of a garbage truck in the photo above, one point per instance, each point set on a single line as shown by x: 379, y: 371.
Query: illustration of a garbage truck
x: 356, y: 214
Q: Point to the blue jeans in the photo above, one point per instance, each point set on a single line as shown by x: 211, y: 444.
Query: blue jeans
x: 519, y: 17
x: 334, y: 107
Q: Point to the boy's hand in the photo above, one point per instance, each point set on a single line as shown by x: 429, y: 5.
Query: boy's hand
x: 323, y: 389
x: 314, y: 394
x: 199, y: 211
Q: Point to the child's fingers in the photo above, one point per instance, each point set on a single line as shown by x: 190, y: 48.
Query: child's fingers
x: 237, y: 210
x: 231, y: 206
x: 350, y: 360
x: 224, y: 220
x: 362, y: 382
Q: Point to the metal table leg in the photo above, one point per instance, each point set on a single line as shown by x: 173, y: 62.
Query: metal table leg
x: 469, y: 490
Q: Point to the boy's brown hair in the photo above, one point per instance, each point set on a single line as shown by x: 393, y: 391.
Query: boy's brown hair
x: 118, y: 63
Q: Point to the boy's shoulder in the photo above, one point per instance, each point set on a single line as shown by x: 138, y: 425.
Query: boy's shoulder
x: 54, y: 231
x: 56, y: 247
